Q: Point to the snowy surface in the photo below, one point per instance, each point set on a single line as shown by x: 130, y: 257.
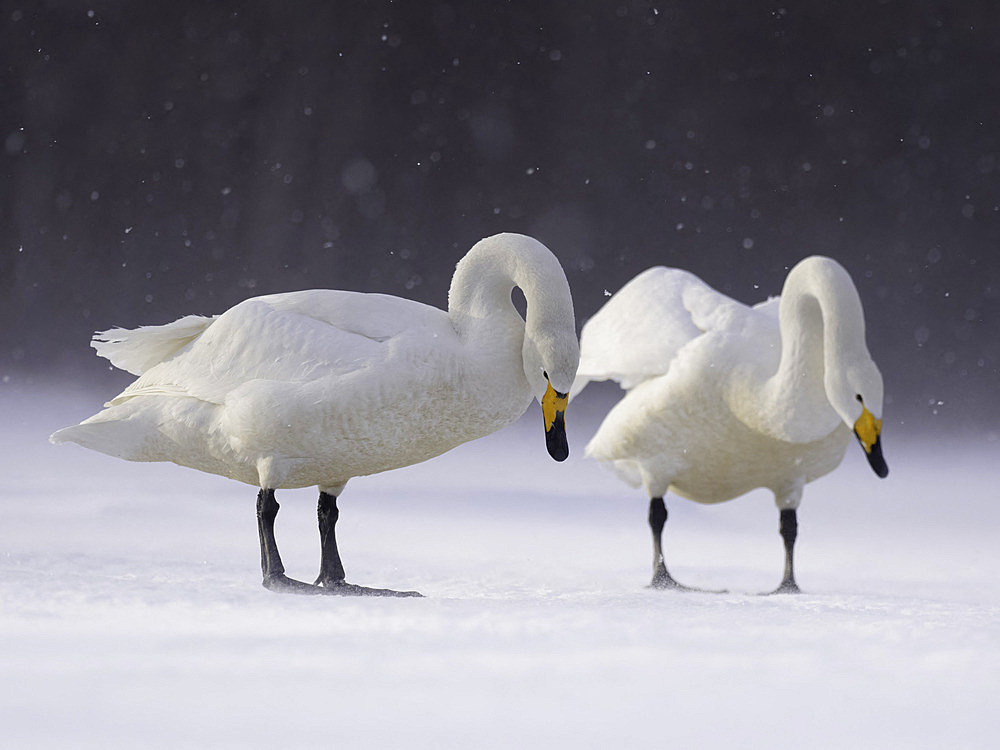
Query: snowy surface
x: 131, y: 612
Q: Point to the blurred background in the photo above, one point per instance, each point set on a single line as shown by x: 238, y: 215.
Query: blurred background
x: 161, y: 159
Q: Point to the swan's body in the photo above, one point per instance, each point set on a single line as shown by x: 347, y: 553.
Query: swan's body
x: 723, y: 398
x: 317, y: 387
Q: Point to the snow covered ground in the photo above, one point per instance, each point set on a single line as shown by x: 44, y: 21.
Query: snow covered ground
x: 131, y: 612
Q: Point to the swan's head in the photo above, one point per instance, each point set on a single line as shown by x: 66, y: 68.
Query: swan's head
x: 857, y: 398
x: 551, y: 350
x: 481, y: 288
x: 550, y: 363
x: 824, y: 299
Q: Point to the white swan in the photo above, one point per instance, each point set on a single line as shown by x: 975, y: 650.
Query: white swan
x: 316, y: 387
x: 723, y: 398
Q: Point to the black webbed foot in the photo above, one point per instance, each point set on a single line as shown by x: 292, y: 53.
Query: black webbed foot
x: 663, y: 581
x: 788, y: 586
x: 342, y: 588
x: 282, y: 584
x: 279, y: 583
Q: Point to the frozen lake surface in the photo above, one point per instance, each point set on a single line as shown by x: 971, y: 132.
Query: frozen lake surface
x: 133, y: 616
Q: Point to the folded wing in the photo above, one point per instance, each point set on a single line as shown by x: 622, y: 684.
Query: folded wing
x: 638, y: 333
x: 290, y: 338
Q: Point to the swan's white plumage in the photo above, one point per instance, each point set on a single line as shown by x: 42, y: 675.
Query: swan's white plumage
x: 723, y: 397
x: 135, y: 351
x: 638, y: 333
x: 316, y: 387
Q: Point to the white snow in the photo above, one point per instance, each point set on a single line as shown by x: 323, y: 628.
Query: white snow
x: 131, y: 611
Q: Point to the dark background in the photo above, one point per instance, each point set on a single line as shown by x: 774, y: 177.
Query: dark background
x: 165, y: 158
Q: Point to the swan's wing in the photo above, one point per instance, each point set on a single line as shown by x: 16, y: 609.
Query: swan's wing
x: 637, y: 334
x: 373, y: 316
x: 768, y: 307
x: 291, y: 338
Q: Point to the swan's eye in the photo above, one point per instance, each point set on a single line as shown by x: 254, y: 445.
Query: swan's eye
x: 858, y: 397
x: 547, y: 377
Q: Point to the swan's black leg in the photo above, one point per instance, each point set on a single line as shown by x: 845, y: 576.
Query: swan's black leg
x: 270, y: 561
x: 331, y: 569
x: 789, y: 528
x: 661, y: 578
x: 657, y: 519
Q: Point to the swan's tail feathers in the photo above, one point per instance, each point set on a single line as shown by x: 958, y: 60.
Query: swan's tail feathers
x: 122, y: 438
x: 137, y: 350
x: 607, y: 454
x: 626, y: 470
x: 629, y: 472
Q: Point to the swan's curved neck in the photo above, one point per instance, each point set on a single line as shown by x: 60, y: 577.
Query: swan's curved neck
x: 822, y: 332
x: 486, y: 276
x: 802, y: 367
x: 481, y: 288
x: 481, y: 310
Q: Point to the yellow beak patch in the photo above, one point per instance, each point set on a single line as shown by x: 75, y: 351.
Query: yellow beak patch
x: 553, y: 407
x: 553, y: 403
x: 867, y: 428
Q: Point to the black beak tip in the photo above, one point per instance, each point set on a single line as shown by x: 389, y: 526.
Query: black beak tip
x: 559, y: 454
x: 877, y: 462
x: 555, y: 439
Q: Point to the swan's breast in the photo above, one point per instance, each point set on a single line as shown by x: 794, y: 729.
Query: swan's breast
x: 747, y: 460
x: 677, y: 432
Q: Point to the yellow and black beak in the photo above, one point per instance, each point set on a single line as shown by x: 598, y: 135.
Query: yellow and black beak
x: 868, y: 432
x: 553, y: 409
